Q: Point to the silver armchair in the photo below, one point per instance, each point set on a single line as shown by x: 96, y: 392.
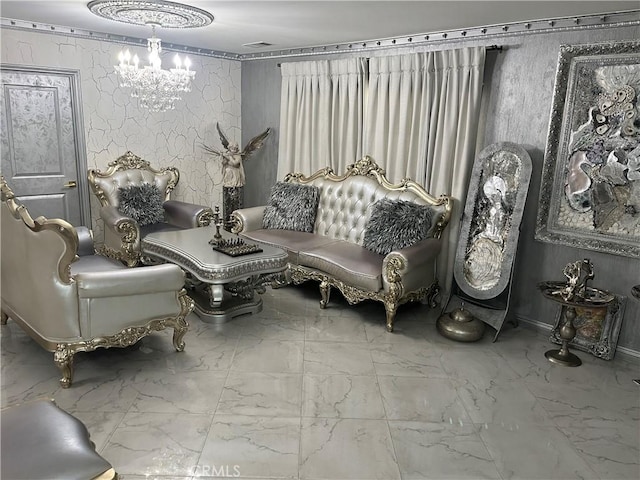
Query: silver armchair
x: 70, y: 300
x: 122, y: 233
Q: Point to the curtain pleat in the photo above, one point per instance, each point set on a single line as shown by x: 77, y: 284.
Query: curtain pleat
x: 455, y: 140
x: 320, y: 115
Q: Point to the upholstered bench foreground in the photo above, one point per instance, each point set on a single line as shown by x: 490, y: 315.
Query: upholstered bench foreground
x: 40, y: 441
x: 357, y: 232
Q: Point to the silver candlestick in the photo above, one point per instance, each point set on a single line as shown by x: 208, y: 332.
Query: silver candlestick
x: 218, y: 222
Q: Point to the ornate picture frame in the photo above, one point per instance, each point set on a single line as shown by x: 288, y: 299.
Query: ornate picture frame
x: 597, y: 328
x: 590, y: 186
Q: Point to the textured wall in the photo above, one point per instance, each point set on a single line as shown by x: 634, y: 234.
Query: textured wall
x: 114, y: 123
x: 519, y: 89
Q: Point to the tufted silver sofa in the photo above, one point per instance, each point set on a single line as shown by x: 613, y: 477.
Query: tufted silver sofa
x: 333, y: 253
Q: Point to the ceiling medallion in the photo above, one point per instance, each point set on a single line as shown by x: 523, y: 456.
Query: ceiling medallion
x: 157, y: 12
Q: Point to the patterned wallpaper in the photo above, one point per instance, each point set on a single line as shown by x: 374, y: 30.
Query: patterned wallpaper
x: 113, y: 122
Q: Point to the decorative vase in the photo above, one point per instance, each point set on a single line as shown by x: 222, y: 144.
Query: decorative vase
x: 460, y: 325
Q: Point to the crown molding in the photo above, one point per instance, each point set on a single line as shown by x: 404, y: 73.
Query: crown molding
x: 491, y: 33
x: 24, y: 25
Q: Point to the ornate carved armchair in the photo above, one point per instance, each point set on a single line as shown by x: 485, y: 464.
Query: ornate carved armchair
x: 122, y: 232
x: 70, y: 300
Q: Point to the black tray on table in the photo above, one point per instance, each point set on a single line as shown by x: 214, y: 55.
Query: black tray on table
x: 234, y: 248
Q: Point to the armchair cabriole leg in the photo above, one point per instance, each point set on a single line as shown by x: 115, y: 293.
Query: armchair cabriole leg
x: 179, y: 332
x: 3, y: 318
x: 178, y: 335
x: 390, y: 308
x: 181, y: 327
x: 63, y: 358
x: 325, y: 292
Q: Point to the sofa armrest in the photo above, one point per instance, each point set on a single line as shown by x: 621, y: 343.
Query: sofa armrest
x: 413, y: 266
x: 187, y: 215
x: 247, y: 219
x: 130, y: 281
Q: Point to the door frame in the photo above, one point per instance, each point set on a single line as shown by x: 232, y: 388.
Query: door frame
x: 78, y: 128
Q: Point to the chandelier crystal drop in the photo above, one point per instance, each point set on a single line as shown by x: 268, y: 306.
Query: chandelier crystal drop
x: 155, y: 88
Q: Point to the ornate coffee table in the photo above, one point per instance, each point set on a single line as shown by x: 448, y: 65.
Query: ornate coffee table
x: 222, y: 286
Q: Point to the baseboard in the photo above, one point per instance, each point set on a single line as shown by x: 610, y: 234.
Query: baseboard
x: 547, y: 328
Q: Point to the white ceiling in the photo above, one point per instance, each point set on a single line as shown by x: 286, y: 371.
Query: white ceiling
x: 295, y: 24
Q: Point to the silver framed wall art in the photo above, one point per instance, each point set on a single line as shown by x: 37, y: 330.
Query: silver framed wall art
x: 590, y: 187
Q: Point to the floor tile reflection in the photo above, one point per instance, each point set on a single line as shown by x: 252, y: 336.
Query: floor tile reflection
x: 298, y: 392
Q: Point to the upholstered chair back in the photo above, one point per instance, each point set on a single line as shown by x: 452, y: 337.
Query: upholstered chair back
x: 128, y: 170
x: 38, y: 253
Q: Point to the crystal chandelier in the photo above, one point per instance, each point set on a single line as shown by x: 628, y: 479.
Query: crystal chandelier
x: 155, y: 88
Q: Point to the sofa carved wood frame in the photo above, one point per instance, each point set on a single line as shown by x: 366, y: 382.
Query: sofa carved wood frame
x: 128, y: 229
x: 396, y: 294
x: 65, y: 351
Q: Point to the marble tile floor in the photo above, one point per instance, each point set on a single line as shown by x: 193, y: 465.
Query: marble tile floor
x: 296, y: 392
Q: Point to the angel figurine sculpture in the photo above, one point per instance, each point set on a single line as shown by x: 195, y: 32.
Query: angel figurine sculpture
x: 233, y: 177
x: 232, y: 158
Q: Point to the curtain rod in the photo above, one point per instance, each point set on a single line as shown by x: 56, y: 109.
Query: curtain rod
x: 489, y: 48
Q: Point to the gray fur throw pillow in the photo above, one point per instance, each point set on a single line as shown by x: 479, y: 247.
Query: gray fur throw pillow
x: 396, y: 224
x: 292, y: 207
x: 143, y: 203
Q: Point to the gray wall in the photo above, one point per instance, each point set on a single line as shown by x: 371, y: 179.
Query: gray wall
x: 519, y: 89
x: 260, y: 108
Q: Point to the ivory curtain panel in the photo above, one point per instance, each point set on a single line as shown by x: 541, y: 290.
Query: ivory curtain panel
x: 419, y: 118
x: 320, y: 115
x: 421, y: 121
x: 453, y: 141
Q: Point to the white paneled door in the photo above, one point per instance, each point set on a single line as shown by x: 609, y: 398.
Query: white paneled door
x: 42, y: 142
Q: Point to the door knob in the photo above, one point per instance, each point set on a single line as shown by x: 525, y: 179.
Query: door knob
x: 71, y: 184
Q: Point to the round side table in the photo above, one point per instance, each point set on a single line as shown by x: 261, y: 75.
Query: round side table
x: 593, y: 298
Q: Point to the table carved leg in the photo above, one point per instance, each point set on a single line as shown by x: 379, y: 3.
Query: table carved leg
x: 216, y: 295
x: 218, y: 303
x: 567, y: 333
